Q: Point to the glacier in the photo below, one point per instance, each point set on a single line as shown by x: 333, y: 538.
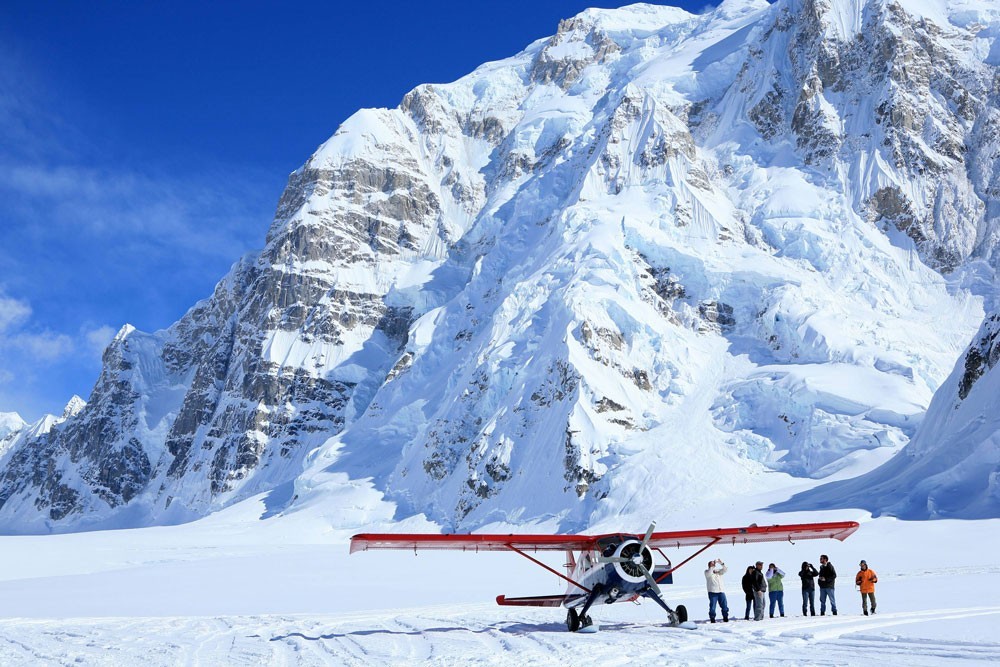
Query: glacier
x: 656, y: 259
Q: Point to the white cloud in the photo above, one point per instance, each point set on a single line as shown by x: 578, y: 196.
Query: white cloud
x: 97, y: 339
x: 43, y: 347
x: 13, y: 312
x: 172, y: 215
x: 86, y: 230
x: 52, y: 171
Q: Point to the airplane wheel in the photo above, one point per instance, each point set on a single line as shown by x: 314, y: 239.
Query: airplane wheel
x: 586, y: 621
x: 572, y: 620
x: 682, y: 613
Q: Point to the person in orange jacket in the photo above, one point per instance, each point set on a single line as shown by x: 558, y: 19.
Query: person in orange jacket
x: 865, y: 580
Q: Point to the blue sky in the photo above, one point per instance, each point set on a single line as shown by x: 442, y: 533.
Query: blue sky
x: 144, y: 145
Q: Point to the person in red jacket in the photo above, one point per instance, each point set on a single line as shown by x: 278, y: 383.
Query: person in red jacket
x: 865, y: 580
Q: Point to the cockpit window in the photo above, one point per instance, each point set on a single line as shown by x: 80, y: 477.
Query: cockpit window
x: 607, y: 545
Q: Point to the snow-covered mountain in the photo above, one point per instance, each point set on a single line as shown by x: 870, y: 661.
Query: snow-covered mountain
x: 11, y: 425
x: 10, y: 422
x: 17, y: 436
x: 645, y: 261
x: 951, y: 468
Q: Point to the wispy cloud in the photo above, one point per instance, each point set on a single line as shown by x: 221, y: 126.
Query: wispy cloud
x: 31, y: 354
x: 98, y: 339
x: 56, y: 178
x: 90, y: 240
x: 20, y: 335
x: 46, y: 346
x: 209, y: 215
x: 13, y: 312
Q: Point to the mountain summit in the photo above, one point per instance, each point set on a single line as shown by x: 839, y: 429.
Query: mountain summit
x: 642, y: 262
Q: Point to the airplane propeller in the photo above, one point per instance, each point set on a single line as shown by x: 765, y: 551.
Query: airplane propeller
x: 632, y: 559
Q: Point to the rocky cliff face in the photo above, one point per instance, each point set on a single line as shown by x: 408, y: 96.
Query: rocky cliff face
x: 898, y: 106
x: 568, y: 284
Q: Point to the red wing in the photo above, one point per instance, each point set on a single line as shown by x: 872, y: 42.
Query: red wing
x: 839, y: 530
x: 484, y: 542
x: 367, y: 541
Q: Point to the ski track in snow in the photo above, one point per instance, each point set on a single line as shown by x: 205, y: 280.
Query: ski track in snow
x: 471, y: 635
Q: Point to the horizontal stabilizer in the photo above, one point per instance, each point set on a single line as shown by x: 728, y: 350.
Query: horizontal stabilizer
x: 534, y: 601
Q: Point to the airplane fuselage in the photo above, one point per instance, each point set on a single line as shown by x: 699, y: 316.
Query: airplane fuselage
x: 614, y: 581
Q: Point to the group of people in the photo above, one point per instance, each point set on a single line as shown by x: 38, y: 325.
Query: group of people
x: 756, y: 582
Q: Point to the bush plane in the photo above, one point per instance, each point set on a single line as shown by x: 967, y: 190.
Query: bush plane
x: 609, y: 568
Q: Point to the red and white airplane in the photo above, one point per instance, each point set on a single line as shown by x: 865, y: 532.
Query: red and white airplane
x: 609, y: 568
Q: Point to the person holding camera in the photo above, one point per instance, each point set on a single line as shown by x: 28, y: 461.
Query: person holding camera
x: 776, y: 589
x: 808, y: 575
x: 716, y: 589
x: 827, y: 580
x: 865, y: 580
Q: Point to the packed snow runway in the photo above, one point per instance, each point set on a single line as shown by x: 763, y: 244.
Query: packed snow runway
x: 236, y: 590
x: 480, y: 635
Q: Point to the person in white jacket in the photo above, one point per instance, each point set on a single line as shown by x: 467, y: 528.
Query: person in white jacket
x: 716, y: 589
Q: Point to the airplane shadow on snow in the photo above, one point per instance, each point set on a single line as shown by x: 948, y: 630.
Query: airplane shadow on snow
x: 507, y: 628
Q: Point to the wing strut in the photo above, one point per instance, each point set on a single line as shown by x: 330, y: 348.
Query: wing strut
x: 670, y: 571
x: 553, y: 571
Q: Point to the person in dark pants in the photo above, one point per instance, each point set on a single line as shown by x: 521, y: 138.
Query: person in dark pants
x: 759, y: 588
x: 827, y: 580
x: 748, y: 591
x: 808, y: 575
x: 776, y: 588
x: 865, y: 580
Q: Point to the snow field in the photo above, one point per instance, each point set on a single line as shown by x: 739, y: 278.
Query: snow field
x: 233, y: 589
x: 930, y: 629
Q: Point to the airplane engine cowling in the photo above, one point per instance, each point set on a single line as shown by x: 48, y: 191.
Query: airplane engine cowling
x: 634, y: 554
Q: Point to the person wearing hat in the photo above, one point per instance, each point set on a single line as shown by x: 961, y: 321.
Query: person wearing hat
x: 759, y: 588
x: 776, y: 589
x: 865, y: 580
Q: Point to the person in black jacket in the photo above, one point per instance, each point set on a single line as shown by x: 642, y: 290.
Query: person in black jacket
x: 759, y: 585
x: 827, y: 579
x: 808, y: 573
x: 748, y: 590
